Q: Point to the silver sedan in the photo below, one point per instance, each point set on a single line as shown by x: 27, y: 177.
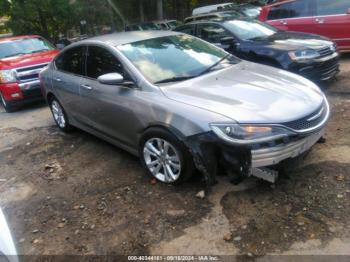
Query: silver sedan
x: 182, y: 104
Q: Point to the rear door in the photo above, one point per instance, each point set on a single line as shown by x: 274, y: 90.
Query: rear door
x: 333, y: 20
x: 293, y: 16
x: 67, y: 77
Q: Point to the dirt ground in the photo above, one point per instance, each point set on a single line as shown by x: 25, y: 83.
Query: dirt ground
x: 74, y: 194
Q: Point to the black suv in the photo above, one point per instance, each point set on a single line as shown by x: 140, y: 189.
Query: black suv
x: 311, y: 56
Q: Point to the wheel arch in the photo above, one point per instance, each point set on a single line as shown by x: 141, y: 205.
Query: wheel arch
x: 50, y: 96
x: 173, y: 130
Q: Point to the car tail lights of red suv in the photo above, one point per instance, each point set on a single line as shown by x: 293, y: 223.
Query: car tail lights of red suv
x: 21, y: 60
x: 323, y: 17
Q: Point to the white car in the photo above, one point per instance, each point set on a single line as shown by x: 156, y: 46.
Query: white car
x: 8, y: 251
x: 211, y: 8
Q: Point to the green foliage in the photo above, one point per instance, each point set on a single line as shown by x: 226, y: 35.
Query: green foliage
x: 50, y: 18
x: 44, y: 17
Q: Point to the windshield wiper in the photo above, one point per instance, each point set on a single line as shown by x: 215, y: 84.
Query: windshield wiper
x: 38, y: 51
x: 174, y: 79
x: 214, y: 65
x: 17, y: 54
x: 182, y: 78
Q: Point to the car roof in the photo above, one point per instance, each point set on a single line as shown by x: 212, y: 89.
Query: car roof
x: 279, y: 3
x: 216, y: 13
x: 164, y: 21
x: 13, y: 38
x: 219, y: 20
x: 122, y: 38
x: 199, y: 10
x: 141, y: 23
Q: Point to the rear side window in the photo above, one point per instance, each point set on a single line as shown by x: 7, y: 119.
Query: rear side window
x: 211, y: 32
x: 100, y: 61
x: 187, y: 29
x: 71, y: 61
x: 299, y: 8
x: 338, y: 7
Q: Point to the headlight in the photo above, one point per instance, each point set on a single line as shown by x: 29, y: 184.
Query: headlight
x: 303, y: 55
x: 7, y: 76
x: 249, y: 134
x: 333, y: 47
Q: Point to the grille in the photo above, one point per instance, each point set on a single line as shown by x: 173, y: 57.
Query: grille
x: 30, y: 73
x: 329, y: 67
x: 327, y: 51
x: 309, y: 121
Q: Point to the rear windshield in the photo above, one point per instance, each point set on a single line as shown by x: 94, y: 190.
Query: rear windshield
x: 23, y: 47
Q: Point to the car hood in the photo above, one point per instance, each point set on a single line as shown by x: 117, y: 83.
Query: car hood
x: 27, y: 60
x: 292, y: 41
x: 249, y: 93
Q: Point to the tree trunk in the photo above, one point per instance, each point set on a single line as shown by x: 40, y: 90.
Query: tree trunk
x: 160, y: 9
x: 142, y: 12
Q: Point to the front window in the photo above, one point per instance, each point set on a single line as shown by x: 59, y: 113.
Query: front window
x: 149, y: 26
x: 212, y: 33
x: 172, y: 57
x: 301, y: 8
x: 326, y: 7
x: 173, y: 24
x: 100, y: 61
x: 249, y: 30
x: 23, y: 47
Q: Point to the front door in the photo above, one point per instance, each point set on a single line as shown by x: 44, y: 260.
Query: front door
x: 293, y: 16
x: 333, y: 20
x: 108, y: 108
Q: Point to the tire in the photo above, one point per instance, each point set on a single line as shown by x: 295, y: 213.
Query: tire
x: 59, y: 115
x: 7, y: 106
x: 174, y: 156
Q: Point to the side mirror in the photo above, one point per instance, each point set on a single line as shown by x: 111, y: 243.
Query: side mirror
x: 111, y: 79
x: 60, y: 46
x: 348, y: 12
x: 228, y: 41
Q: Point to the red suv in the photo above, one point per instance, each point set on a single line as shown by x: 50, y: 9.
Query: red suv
x: 21, y: 60
x: 330, y: 18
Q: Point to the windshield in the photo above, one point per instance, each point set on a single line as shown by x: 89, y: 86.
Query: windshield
x: 23, y: 47
x: 248, y: 30
x: 172, y: 57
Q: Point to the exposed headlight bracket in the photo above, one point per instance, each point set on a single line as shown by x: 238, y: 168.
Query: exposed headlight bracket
x: 266, y: 174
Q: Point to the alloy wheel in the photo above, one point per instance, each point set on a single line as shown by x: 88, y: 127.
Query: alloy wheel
x: 58, y: 114
x: 162, y: 160
x: 3, y: 101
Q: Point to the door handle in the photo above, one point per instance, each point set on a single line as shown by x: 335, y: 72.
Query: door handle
x: 283, y: 22
x: 320, y: 21
x: 87, y: 87
x: 58, y: 79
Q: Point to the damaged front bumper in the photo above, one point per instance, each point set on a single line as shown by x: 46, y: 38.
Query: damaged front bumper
x: 274, y: 155
x: 210, y: 153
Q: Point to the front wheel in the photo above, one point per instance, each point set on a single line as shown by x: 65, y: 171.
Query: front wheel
x: 7, y: 106
x: 59, y: 115
x: 164, y: 157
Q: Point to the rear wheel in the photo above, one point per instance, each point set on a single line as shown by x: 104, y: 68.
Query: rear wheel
x: 59, y: 115
x: 7, y: 106
x: 164, y: 157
